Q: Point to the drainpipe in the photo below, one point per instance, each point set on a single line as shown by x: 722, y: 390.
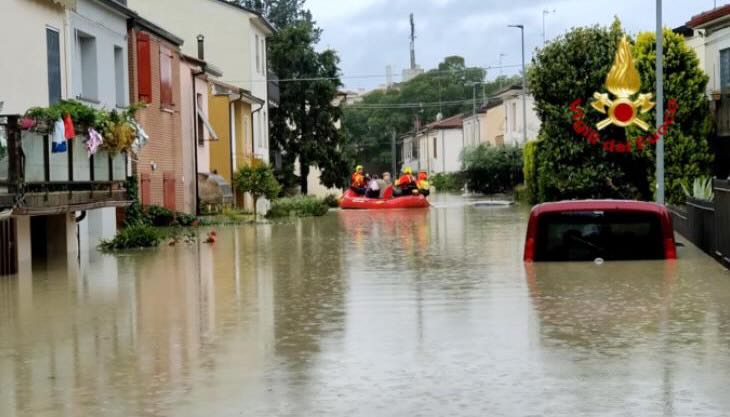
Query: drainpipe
x: 253, y: 141
x: 195, y: 75
x: 443, y: 151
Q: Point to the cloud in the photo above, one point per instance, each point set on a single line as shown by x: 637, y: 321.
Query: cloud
x: 370, y: 34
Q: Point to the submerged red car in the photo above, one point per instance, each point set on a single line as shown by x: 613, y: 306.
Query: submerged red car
x: 612, y: 230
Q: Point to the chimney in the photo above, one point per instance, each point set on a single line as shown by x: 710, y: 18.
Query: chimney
x: 201, y: 47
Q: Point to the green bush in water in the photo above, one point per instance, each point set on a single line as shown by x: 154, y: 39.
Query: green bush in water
x: 132, y: 237
x: 450, y: 182
x: 332, y: 201
x: 301, y: 206
x: 160, y: 216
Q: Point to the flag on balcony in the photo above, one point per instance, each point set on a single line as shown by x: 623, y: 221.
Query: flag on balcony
x: 92, y: 144
x: 69, y: 131
x: 59, y: 137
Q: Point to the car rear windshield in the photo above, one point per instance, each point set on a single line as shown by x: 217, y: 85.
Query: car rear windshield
x: 587, y: 235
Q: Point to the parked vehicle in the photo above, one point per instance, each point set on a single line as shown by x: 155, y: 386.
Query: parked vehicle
x: 611, y: 230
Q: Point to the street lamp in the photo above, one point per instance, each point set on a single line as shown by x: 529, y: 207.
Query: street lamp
x: 545, y: 12
x: 524, y: 84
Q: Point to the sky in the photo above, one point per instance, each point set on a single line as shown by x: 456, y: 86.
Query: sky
x: 371, y: 34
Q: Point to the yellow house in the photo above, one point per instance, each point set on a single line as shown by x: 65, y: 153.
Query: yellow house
x: 494, y: 123
x: 231, y: 110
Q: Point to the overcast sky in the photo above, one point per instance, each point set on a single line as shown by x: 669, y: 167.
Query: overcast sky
x: 370, y: 34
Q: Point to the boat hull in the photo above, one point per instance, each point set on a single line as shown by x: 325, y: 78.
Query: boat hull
x: 350, y: 200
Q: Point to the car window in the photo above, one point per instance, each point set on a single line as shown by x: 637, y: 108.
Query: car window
x: 584, y: 236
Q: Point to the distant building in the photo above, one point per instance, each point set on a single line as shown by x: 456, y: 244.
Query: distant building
x: 475, y: 128
x: 708, y: 34
x: 513, y: 125
x: 437, y: 147
x: 411, y: 73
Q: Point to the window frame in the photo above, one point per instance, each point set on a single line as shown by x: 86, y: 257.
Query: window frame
x: 167, y: 99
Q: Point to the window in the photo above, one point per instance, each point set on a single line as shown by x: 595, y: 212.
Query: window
x: 258, y: 58
x: 725, y: 69
x: 86, y: 46
x: 119, y: 76
x: 435, y: 154
x: 166, y: 78
x: 53, y: 50
x: 144, y: 68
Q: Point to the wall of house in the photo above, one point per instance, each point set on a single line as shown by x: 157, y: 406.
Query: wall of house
x: 475, y: 129
x: 708, y: 52
x: 220, y: 150
x: 230, y: 39
x: 494, y: 125
x: 109, y: 30
x: 24, y: 81
x: 163, y: 153
x: 513, y: 121
x: 449, y: 144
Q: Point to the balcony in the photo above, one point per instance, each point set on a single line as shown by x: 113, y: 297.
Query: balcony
x: 35, y: 181
x: 273, y: 89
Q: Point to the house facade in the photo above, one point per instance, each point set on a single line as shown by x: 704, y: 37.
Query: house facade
x: 69, y: 50
x: 154, y: 60
x: 512, y: 98
x: 708, y: 34
x: 495, y: 121
x: 475, y: 128
x: 436, y: 148
x: 235, y: 40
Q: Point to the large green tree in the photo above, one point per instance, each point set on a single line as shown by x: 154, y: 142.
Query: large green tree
x: 304, y: 125
x: 575, y: 66
x: 448, y: 89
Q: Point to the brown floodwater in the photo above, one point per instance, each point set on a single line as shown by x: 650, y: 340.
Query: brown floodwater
x: 391, y: 313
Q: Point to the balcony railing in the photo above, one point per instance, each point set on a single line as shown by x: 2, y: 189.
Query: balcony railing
x: 273, y: 89
x: 34, y: 180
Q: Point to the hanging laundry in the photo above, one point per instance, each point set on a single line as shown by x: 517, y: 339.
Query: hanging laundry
x: 68, y: 124
x: 141, y: 137
x: 93, y: 142
x: 59, y: 137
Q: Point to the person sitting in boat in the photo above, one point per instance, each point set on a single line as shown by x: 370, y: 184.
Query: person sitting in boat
x: 422, y: 184
x: 384, y: 183
x: 357, y: 181
x: 373, y: 190
x: 406, y: 184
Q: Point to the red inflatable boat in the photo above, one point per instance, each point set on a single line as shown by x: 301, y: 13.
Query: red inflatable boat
x: 350, y: 200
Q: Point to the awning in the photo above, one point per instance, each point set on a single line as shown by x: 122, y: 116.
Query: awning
x: 205, y: 121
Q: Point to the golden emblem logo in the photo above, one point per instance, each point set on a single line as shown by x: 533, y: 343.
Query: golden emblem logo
x: 623, y: 82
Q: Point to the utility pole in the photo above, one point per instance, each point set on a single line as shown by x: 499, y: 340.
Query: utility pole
x: 501, y: 55
x: 413, y: 43
x: 524, y: 84
x: 394, y: 163
x: 659, y: 103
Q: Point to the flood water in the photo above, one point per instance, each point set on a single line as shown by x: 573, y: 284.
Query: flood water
x: 392, y: 313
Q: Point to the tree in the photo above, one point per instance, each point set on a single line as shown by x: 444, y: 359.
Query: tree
x: 490, y: 169
x: 575, y: 66
x: 369, y: 125
x: 258, y: 179
x: 304, y: 125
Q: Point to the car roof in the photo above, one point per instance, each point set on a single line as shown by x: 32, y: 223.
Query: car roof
x: 602, y: 205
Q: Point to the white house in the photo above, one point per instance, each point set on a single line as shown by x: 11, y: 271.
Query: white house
x: 513, y: 124
x: 436, y: 148
x: 235, y: 39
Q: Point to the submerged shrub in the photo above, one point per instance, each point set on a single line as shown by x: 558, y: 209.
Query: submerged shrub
x: 332, y: 201
x: 453, y: 181
x: 301, y: 206
x: 132, y: 237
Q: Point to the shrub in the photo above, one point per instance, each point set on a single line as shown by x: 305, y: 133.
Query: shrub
x: 449, y: 182
x: 132, y: 237
x: 529, y: 172
x: 160, y: 216
x: 184, y: 219
x: 258, y: 179
x: 702, y: 188
x: 134, y: 214
x: 301, y: 206
x: 490, y: 169
x: 332, y: 201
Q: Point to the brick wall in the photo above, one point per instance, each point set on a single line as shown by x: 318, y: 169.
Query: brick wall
x: 162, y: 124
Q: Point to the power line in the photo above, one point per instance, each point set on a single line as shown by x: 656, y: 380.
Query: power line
x: 407, y: 106
x: 364, y: 76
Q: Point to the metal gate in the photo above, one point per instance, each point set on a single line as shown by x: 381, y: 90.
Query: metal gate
x: 8, y: 247
x: 722, y: 220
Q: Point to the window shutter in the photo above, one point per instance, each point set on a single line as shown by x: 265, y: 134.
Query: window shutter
x: 165, y: 77
x: 144, y: 69
x: 53, y: 47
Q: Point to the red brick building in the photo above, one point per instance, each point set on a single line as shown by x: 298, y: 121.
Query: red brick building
x: 154, y: 70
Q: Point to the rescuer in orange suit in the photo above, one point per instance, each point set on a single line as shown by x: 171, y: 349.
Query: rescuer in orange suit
x: 407, y: 182
x: 357, y: 181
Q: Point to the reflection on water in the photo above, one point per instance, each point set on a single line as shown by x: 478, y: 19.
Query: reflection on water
x: 421, y: 312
